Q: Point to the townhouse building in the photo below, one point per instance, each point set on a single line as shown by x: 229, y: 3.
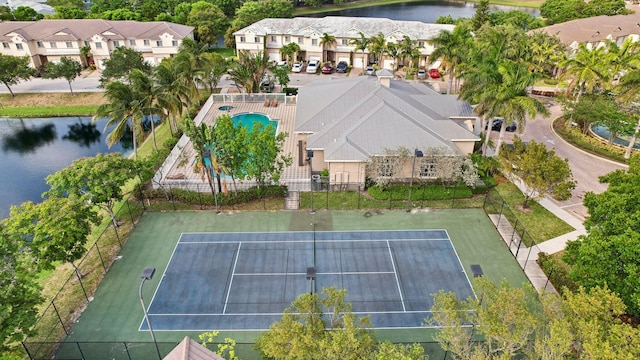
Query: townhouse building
x: 272, y: 34
x: 49, y: 40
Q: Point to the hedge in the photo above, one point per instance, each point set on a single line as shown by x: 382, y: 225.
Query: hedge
x: 205, y: 198
x: 433, y: 192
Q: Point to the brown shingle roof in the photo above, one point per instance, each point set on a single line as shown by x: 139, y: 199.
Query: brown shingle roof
x: 595, y: 29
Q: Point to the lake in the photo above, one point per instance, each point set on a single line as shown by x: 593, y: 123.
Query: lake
x: 35, y: 148
x: 425, y: 11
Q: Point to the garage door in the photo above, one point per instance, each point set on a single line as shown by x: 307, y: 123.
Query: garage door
x: 357, y: 62
x: 388, y: 64
x: 345, y: 59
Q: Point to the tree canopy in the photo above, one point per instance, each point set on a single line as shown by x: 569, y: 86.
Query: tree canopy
x: 13, y: 69
x: 67, y: 68
x: 121, y: 62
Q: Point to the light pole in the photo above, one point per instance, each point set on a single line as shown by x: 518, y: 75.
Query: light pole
x: 416, y: 154
x: 310, y: 156
x: 147, y: 274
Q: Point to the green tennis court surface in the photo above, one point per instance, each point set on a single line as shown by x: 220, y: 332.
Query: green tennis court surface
x: 244, y: 281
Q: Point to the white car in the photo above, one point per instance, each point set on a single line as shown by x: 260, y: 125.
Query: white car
x: 313, y: 67
x: 297, y: 67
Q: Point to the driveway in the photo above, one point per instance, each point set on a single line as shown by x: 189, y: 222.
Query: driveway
x: 586, y: 168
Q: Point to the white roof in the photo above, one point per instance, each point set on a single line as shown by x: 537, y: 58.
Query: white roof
x: 355, y: 118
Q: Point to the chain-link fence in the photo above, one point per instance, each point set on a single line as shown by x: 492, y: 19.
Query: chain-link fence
x: 59, y: 315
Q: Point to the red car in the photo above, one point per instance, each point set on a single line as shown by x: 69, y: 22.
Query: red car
x: 434, y: 73
x: 327, y: 68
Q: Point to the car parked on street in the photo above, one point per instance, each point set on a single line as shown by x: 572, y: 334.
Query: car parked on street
x: 297, y: 67
x: 434, y: 73
x: 422, y: 74
x: 327, y: 68
x: 496, y: 124
x: 342, y: 67
x: 313, y: 66
x: 370, y: 70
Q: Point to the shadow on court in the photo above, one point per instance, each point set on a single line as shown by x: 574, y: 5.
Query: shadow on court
x: 303, y: 220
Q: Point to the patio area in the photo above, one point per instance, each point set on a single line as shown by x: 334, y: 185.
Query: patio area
x: 178, y: 169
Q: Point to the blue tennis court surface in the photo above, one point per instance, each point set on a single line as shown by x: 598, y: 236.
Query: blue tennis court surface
x: 244, y: 281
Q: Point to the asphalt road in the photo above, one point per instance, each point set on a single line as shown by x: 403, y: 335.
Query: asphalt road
x: 585, y: 167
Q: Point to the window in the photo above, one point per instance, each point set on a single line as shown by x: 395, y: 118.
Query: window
x: 287, y: 39
x: 39, y: 44
x: 69, y: 44
x: 174, y: 43
x: 5, y: 45
x: 314, y: 42
x: 159, y: 43
x: 420, y: 43
x: 300, y: 40
x: 345, y: 42
x: 86, y: 43
x: 386, y: 166
x: 116, y: 43
x: 256, y: 39
x: 53, y: 45
x: 19, y: 46
x: 242, y: 39
x: 132, y: 43
x: 98, y: 45
x: 273, y: 38
x: 146, y: 42
x: 428, y: 168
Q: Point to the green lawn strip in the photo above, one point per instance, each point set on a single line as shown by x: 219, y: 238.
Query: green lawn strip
x: 75, y: 110
x: 226, y: 53
x: 540, y: 223
x: 575, y: 137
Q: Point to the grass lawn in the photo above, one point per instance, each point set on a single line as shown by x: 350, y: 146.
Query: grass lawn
x: 50, y: 104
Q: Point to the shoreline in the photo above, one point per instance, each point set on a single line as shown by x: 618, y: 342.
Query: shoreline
x: 534, y: 4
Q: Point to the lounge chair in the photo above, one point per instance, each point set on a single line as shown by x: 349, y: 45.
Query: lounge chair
x: 274, y: 103
x: 267, y: 102
x: 176, y: 176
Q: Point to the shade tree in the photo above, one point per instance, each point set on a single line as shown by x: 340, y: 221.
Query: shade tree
x: 66, y: 68
x: 120, y: 63
x: 540, y: 169
x: 14, y: 69
x: 209, y: 21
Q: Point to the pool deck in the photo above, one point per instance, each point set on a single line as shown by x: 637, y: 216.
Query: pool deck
x: 182, y: 170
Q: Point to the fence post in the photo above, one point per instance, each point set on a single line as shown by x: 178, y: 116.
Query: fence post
x: 126, y: 348
x: 80, y: 282
x: 130, y: 214
x: 500, y: 214
x: 80, y: 349
x: 358, y: 196
x: 390, y: 197
x: 327, y: 205
x: 173, y: 200
x: 424, y: 189
x: 100, y: 256
x: 141, y: 197
x: 200, y: 196
x: 27, y: 350
x: 115, y: 229
x: 59, y: 318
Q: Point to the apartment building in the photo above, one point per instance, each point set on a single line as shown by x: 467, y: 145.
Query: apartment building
x: 308, y: 33
x: 49, y: 40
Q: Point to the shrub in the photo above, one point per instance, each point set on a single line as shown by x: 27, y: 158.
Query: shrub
x: 556, y: 270
x: 433, y: 192
x: 206, y: 198
x: 550, y: 81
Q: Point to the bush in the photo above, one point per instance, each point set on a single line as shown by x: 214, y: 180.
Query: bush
x: 550, y: 81
x: 432, y: 192
x: 574, y: 135
x: 205, y: 198
x: 290, y: 91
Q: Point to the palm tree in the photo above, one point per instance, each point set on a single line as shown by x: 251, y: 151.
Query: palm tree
x: 144, y: 85
x: 172, y: 93
x: 290, y: 51
x: 213, y: 68
x: 361, y: 44
x: 201, y: 137
x: 407, y: 49
x: 124, y: 108
x: 622, y: 58
x: 629, y: 92
x: 187, y: 73
x: 326, y: 41
x: 394, y: 51
x: 250, y: 70
x: 453, y: 48
x: 587, y: 69
x: 377, y: 46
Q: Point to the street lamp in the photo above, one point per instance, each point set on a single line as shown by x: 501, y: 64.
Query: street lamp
x: 147, y: 274
x: 416, y: 154
x: 310, y: 156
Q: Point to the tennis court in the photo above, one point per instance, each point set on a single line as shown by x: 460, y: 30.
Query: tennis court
x: 244, y: 281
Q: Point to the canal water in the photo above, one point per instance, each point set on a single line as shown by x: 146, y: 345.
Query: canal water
x: 31, y: 149
x: 425, y: 11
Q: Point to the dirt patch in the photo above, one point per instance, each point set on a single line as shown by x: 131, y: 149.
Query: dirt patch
x: 51, y: 99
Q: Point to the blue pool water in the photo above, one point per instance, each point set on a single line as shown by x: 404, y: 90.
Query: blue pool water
x: 248, y: 119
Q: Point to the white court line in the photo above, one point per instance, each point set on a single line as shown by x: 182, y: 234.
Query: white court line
x: 270, y: 242
x: 320, y: 273
x: 281, y: 313
x: 235, y: 263
x: 462, y: 266
x: 396, y: 276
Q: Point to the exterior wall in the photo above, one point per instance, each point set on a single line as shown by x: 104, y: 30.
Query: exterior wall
x: 465, y: 147
x: 346, y: 173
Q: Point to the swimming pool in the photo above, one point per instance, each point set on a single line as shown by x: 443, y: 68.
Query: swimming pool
x: 248, y: 119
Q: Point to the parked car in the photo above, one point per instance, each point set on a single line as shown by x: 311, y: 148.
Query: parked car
x: 496, y: 124
x: 297, y: 67
x: 327, y: 68
x: 342, y: 67
x: 422, y: 74
x: 370, y: 70
x: 312, y: 67
x: 434, y: 73
x: 282, y: 63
